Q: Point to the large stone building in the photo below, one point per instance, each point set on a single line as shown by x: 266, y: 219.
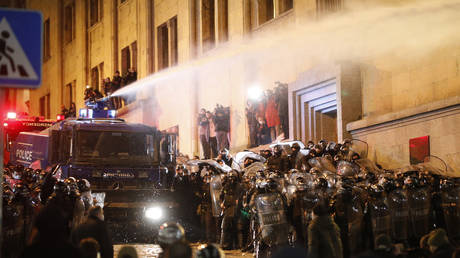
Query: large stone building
x: 352, y: 70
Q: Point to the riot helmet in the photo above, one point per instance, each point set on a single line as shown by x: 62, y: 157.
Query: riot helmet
x: 83, y: 185
x: 17, y: 172
x: 61, y: 188
x: 209, y: 251
x: 21, y: 191
x: 331, y: 148
x: 271, y: 185
x: 311, y: 154
x: 295, y: 147
x: 321, y: 183
x: 315, y: 171
x: 318, y: 149
x: 169, y: 233
x: 301, y: 184
x: 8, y: 196
x: 323, y: 143
x: 446, y: 184
x: 277, y: 150
x: 376, y: 191
x: 28, y: 175
x: 410, y: 182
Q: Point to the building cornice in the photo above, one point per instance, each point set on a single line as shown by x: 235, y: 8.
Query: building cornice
x: 406, y: 117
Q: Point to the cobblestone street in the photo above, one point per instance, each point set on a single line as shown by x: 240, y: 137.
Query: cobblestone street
x: 149, y: 251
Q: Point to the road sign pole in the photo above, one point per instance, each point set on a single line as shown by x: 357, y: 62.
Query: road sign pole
x: 2, y: 115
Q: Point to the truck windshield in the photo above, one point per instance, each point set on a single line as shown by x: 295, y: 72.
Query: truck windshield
x: 115, y: 147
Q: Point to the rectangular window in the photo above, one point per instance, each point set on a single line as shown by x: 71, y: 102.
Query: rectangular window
x: 125, y: 60
x: 223, y: 20
x: 163, y: 48
x: 69, y: 22
x: 134, y: 55
x: 42, y: 106
x: 95, y: 11
x: 69, y: 94
x: 327, y: 6
x: 101, y: 76
x: 48, y: 106
x: 286, y: 5
x: 266, y: 10
x: 95, y: 77
x: 173, y: 33
x: 208, y: 24
x: 46, y: 40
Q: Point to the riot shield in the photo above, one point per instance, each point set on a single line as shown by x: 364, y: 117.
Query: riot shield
x: 399, y: 207
x: 240, y: 157
x: 355, y: 215
x: 380, y: 218
x: 215, y: 188
x: 434, y: 165
x: 368, y: 165
x: 451, y: 210
x: 359, y: 147
x: 99, y: 199
x: 322, y: 163
x: 419, y: 212
x: 308, y: 200
x: 251, y: 171
x: 347, y: 169
x: 272, y: 218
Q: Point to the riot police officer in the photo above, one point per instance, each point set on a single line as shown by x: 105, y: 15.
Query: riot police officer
x: 278, y: 161
x: 272, y: 229
x: 228, y: 198
x: 378, y: 219
x: 295, y: 158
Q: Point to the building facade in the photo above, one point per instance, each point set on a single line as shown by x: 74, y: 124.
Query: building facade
x: 193, y: 54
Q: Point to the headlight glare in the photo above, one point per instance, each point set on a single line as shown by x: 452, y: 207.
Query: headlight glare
x: 154, y: 213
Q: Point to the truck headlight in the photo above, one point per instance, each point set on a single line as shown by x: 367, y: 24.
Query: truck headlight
x: 154, y: 213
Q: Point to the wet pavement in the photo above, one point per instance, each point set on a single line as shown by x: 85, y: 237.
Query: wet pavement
x: 150, y: 251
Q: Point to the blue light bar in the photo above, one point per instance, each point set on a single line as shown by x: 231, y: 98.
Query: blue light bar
x: 83, y: 113
x: 112, y: 113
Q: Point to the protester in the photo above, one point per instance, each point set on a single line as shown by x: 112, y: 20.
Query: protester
x: 95, y: 227
x: 107, y: 86
x: 212, y: 135
x: 51, y: 240
x: 203, y: 130
x: 89, y: 248
x: 180, y: 249
x: 64, y: 111
x: 72, y: 110
x: 439, y: 244
x: 127, y: 251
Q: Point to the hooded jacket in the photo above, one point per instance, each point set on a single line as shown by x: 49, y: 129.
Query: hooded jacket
x: 324, y: 238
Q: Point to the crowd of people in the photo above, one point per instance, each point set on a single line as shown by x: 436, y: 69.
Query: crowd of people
x: 268, y: 117
x: 214, y: 130
x: 323, y: 199
x: 318, y: 200
x: 109, y: 86
x: 47, y: 217
x: 69, y: 112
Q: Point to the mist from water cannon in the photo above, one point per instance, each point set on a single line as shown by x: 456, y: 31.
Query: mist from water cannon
x: 402, y: 32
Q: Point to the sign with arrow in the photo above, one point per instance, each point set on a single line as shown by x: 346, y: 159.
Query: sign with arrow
x: 20, y: 48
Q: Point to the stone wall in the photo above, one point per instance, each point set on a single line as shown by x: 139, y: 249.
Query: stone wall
x: 388, y: 135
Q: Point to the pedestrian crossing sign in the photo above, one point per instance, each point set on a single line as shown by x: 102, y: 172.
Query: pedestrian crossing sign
x: 20, y: 48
